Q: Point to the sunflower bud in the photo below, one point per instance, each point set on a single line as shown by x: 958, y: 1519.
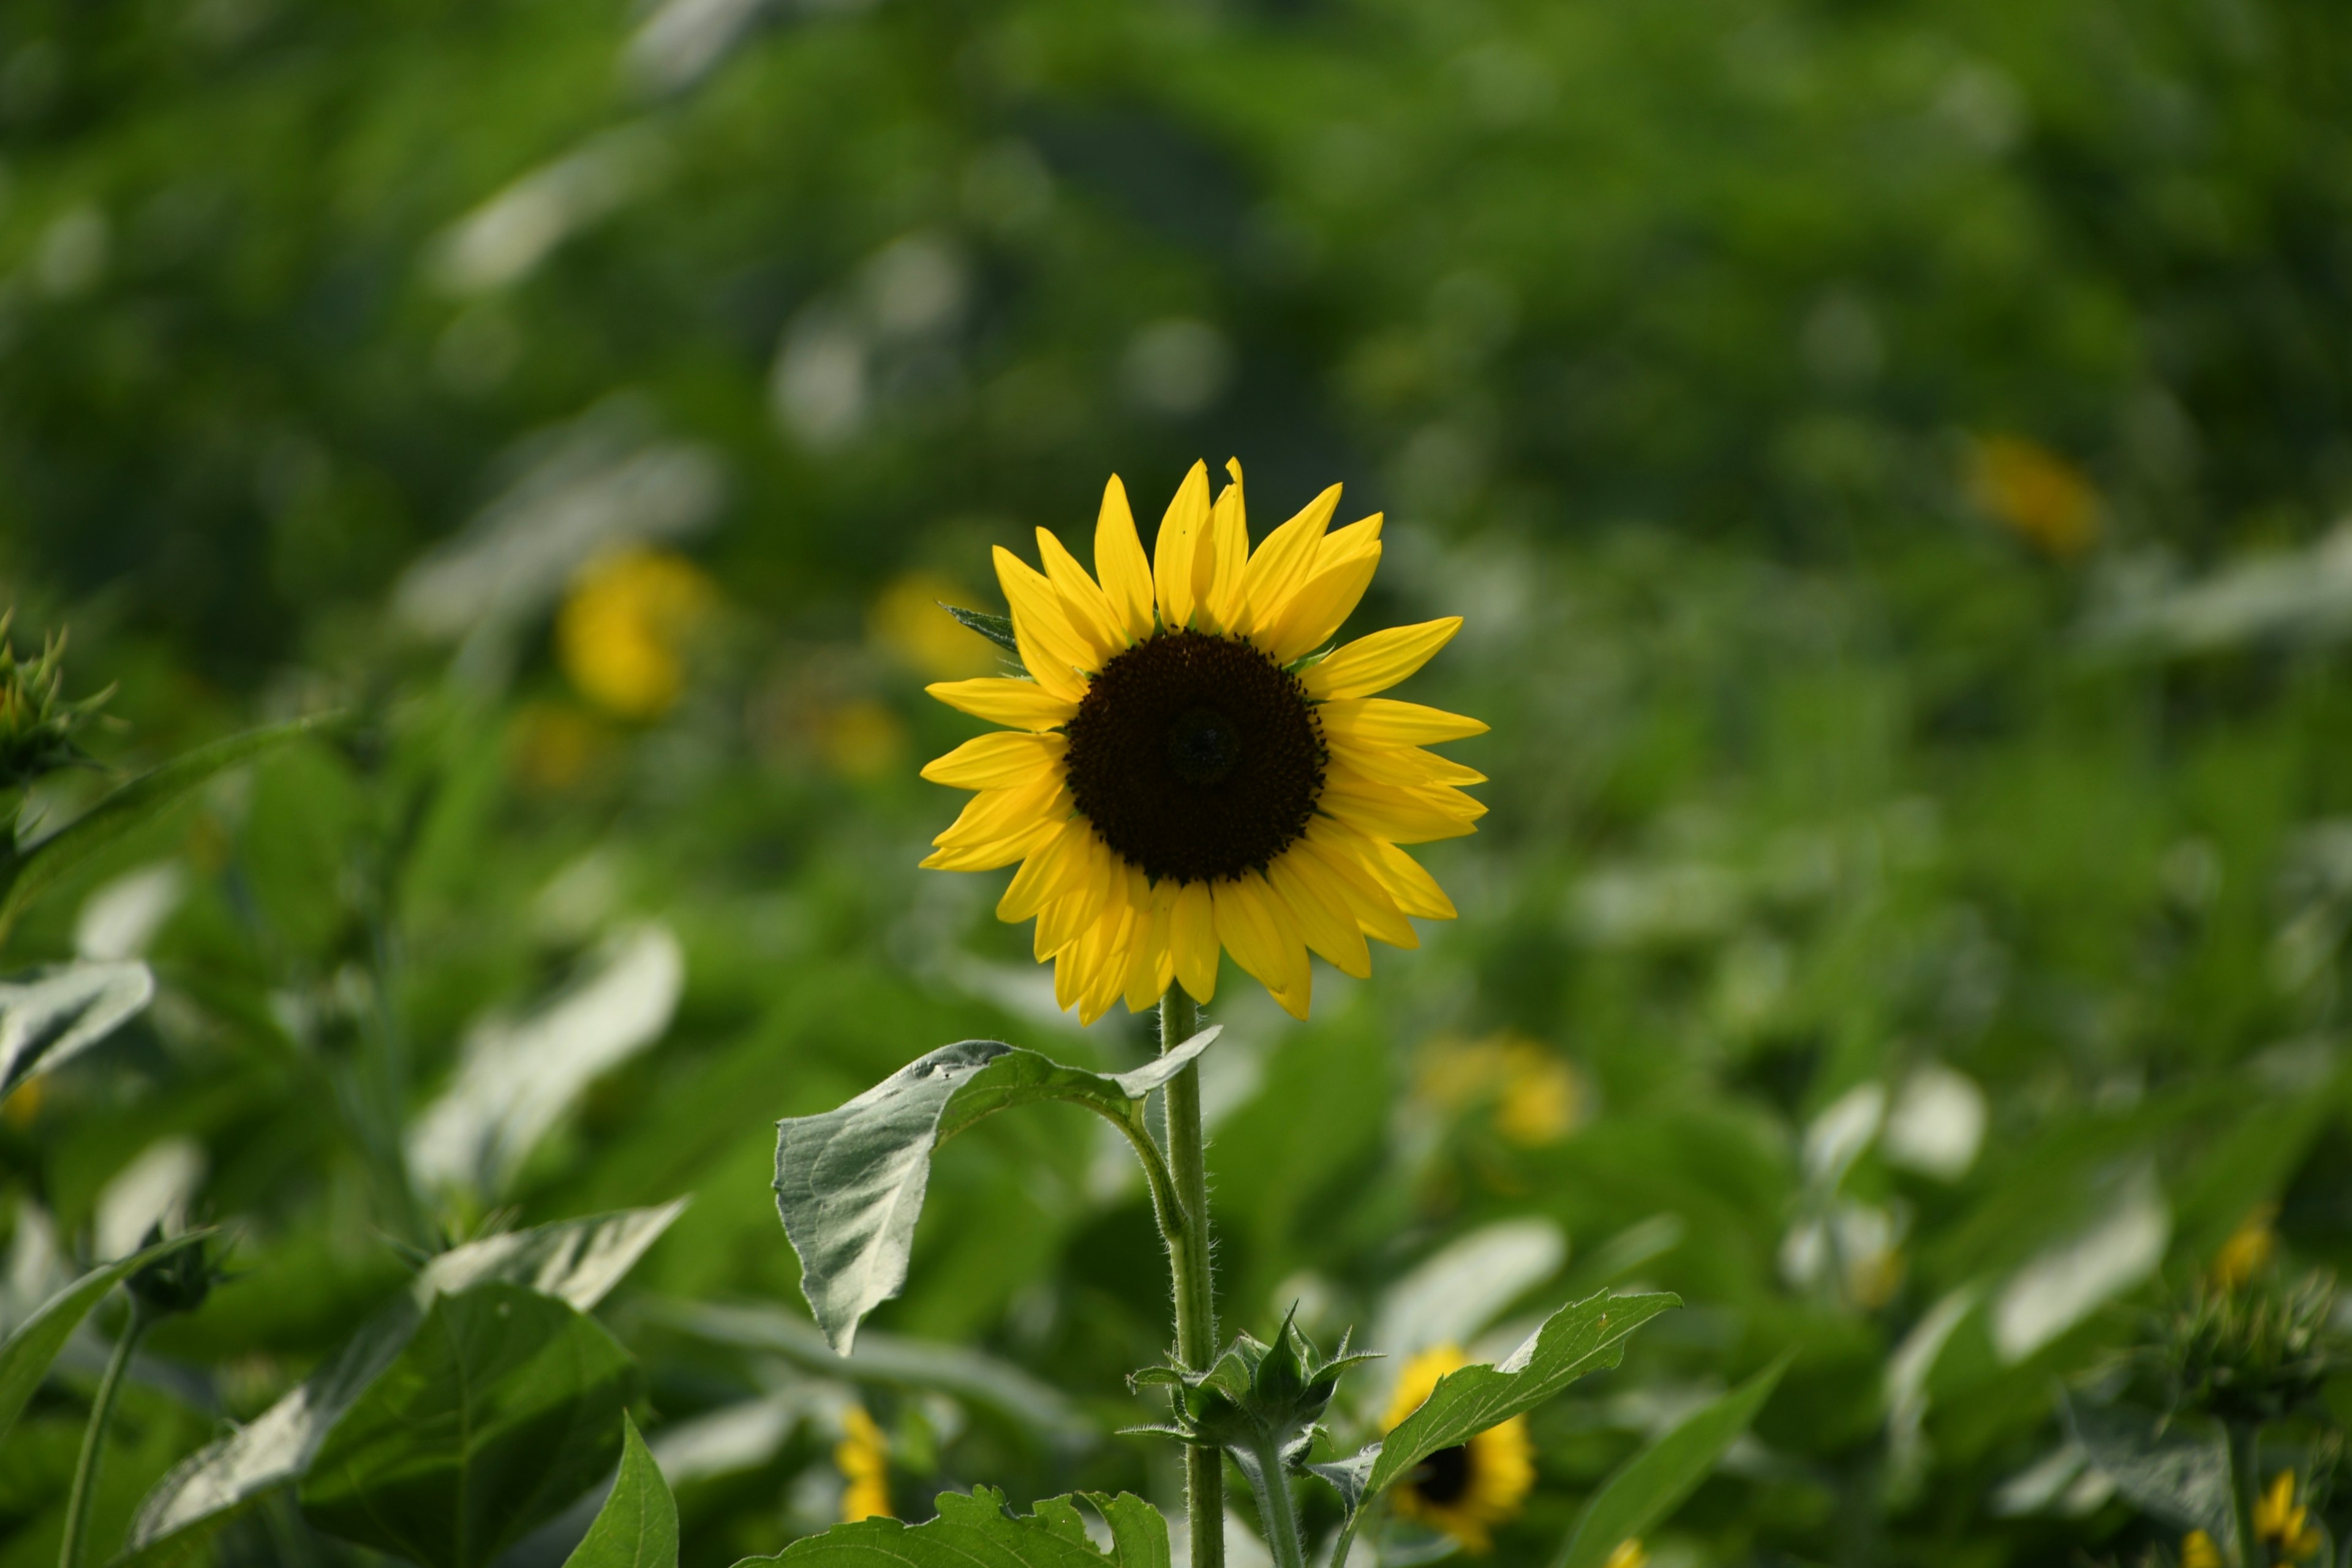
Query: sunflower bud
x: 1256, y: 1397
x: 37, y: 725
x: 2255, y: 1353
x: 175, y: 1283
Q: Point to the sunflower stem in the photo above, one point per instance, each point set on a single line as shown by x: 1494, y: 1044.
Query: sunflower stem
x: 1189, y: 1270
x: 1277, y: 1514
x: 2245, y: 1487
x: 93, y: 1441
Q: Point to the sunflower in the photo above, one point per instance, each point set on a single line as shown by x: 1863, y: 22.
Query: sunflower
x: 1467, y: 1490
x: 1182, y: 773
x: 863, y: 1458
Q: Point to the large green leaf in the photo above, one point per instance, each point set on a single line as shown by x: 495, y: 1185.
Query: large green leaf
x: 977, y: 1531
x: 576, y: 1260
x: 25, y: 1355
x: 1653, y: 1482
x: 850, y: 1182
x: 29, y: 872
x: 1582, y: 1337
x: 504, y: 1407
x: 51, y: 1014
x: 637, y: 1526
x: 2176, y: 1471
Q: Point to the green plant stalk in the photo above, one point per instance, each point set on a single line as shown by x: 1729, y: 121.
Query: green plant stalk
x: 2245, y: 1486
x: 93, y: 1442
x: 1189, y: 1270
x: 1277, y: 1514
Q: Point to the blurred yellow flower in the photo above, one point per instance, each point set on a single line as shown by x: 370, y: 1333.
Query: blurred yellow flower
x: 862, y: 739
x: 24, y: 1102
x: 550, y: 746
x: 2035, y: 494
x: 2198, y: 1551
x: 2248, y: 1251
x: 1629, y: 1554
x: 863, y: 1458
x: 907, y: 620
x: 1533, y: 1094
x: 2281, y: 1523
x: 623, y: 634
x: 1467, y: 1490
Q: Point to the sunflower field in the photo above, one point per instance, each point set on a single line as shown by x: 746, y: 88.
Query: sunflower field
x: 1260, y: 784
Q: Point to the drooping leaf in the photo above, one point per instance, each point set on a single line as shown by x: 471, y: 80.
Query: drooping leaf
x: 977, y: 1531
x: 997, y: 629
x: 850, y: 1182
x: 25, y: 1355
x: 51, y: 1014
x: 637, y: 1526
x: 576, y: 1261
x: 504, y: 1407
x: 33, y: 871
x: 1582, y: 1337
x: 1653, y: 1482
x: 2176, y: 1474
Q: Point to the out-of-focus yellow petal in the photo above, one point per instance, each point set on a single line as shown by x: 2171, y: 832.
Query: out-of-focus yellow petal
x: 1001, y: 759
x: 1384, y: 721
x: 1120, y: 564
x: 1000, y: 699
x: 1194, y: 925
x: 1052, y: 652
x: 1374, y: 663
x: 1089, y: 613
x: 1181, y: 533
x: 1280, y: 565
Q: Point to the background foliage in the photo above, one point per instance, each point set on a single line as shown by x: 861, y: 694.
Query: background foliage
x: 1885, y: 454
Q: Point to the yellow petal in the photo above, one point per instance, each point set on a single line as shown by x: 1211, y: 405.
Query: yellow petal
x: 1258, y: 937
x: 1343, y: 544
x: 1049, y: 873
x: 1377, y: 662
x: 991, y: 855
x: 1180, y: 530
x: 1401, y: 878
x: 1349, y: 857
x: 1001, y: 813
x: 1194, y: 925
x: 1065, y: 919
x: 1407, y: 766
x: 1398, y: 815
x: 1052, y: 652
x: 1151, y: 957
x: 1001, y: 759
x: 1322, y: 911
x: 1281, y: 563
x: 1089, y: 613
x: 1000, y: 699
x: 1318, y: 610
x: 1384, y: 721
x: 1120, y: 564
x: 1107, y: 957
x: 1217, y: 572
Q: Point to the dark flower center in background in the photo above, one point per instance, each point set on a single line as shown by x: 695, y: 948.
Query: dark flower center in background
x: 1195, y: 757
x: 1445, y: 1476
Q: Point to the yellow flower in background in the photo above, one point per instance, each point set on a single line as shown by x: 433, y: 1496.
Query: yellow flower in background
x: 863, y: 1458
x: 906, y: 620
x: 552, y: 746
x: 2248, y: 1251
x: 2035, y: 494
x: 1467, y: 1490
x: 623, y: 634
x: 1629, y: 1554
x: 2198, y: 1551
x: 23, y: 1105
x: 2281, y: 1523
x: 1534, y: 1094
x: 860, y: 740
x: 1178, y: 778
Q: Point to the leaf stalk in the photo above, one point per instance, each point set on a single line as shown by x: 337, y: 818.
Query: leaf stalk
x: 93, y: 1441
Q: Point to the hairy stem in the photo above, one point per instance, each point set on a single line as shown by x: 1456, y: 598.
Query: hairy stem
x: 2245, y: 1486
x: 1188, y: 1261
x: 1277, y: 1515
x: 93, y: 1442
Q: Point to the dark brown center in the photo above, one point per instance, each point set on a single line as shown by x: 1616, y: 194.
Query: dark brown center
x: 1445, y: 1476
x: 1195, y: 757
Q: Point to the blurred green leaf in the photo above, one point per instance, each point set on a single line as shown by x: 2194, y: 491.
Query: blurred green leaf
x: 25, y: 1355
x: 1654, y: 1483
x: 2179, y: 1474
x: 637, y: 1526
x: 850, y: 1182
x: 505, y: 1406
x: 978, y: 1530
x: 29, y: 872
x: 50, y: 1015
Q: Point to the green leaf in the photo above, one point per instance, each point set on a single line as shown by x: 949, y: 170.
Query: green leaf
x: 1653, y: 1482
x: 997, y: 629
x: 850, y: 1182
x: 637, y: 1526
x: 25, y: 1355
x: 33, y: 871
x: 576, y: 1261
x: 2166, y: 1469
x: 1583, y: 1336
x: 504, y: 1407
x: 51, y: 1014
x: 977, y: 1531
